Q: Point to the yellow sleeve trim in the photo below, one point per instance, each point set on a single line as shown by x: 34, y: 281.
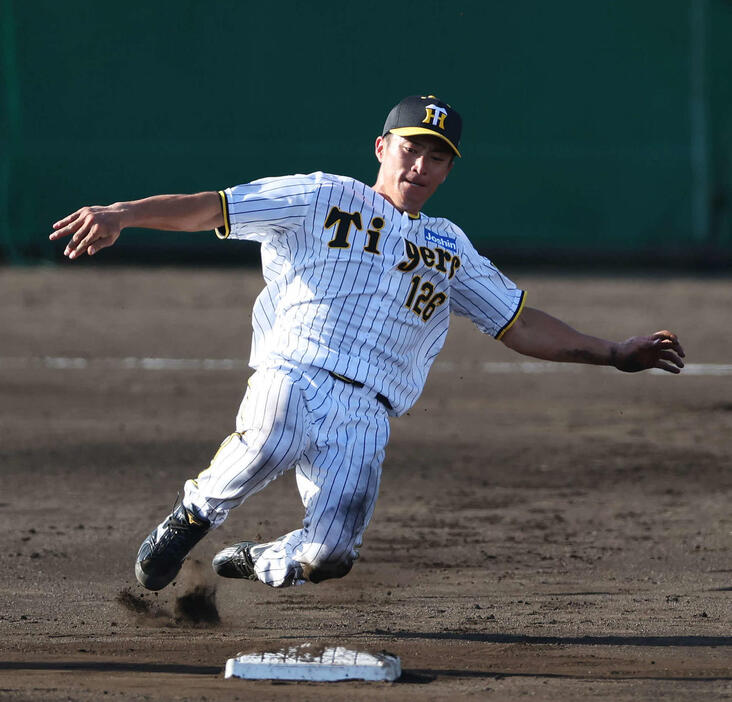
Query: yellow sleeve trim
x: 515, y: 316
x: 223, y: 232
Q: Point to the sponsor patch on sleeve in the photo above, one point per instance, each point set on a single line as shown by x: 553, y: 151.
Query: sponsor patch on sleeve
x: 441, y: 240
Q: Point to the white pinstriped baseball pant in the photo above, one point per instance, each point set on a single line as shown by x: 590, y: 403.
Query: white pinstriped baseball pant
x: 334, y: 435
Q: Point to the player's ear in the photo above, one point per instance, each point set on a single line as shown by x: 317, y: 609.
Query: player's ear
x: 379, y: 147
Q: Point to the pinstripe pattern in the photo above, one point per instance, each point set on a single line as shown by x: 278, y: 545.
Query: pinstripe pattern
x: 354, y: 287
x: 343, y: 309
x: 332, y: 433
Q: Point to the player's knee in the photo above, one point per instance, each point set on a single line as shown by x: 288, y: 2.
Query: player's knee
x: 327, y: 568
x: 262, y: 448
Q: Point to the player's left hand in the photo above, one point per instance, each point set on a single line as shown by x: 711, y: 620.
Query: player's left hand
x: 660, y: 350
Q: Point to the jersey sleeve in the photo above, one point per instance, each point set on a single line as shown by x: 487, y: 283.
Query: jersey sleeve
x: 267, y: 207
x: 483, y: 294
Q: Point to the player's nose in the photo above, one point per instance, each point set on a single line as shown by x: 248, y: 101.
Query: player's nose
x: 420, y: 165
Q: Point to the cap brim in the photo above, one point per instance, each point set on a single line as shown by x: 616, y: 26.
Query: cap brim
x: 414, y: 131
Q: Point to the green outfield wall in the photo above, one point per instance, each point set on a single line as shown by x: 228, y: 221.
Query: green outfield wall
x: 591, y: 128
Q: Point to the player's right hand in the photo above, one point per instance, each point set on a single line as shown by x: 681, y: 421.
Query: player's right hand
x: 91, y: 229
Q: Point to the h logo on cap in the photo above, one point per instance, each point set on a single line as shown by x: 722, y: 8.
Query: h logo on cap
x: 435, y: 115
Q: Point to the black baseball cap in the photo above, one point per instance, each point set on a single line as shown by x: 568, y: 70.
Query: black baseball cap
x: 425, y: 115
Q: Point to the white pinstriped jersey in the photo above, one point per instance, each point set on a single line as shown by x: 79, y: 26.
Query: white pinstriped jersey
x: 356, y: 287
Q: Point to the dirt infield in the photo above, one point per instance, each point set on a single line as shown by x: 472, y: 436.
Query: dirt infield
x: 561, y: 535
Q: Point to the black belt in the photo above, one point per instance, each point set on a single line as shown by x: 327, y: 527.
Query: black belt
x: 383, y: 399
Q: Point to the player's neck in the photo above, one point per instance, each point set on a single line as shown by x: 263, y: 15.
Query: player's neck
x: 380, y: 190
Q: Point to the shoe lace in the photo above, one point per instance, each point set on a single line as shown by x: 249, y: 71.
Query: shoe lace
x: 178, y: 537
x: 245, y: 563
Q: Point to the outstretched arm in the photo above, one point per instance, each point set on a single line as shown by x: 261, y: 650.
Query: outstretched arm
x: 540, y: 335
x: 94, y: 228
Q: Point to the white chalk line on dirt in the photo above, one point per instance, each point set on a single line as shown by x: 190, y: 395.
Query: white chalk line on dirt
x: 239, y: 364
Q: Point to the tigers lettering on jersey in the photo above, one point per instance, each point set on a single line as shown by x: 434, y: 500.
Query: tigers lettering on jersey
x: 422, y: 298
x: 344, y: 220
x: 376, y: 308
x: 437, y: 257
x: 430, y: 257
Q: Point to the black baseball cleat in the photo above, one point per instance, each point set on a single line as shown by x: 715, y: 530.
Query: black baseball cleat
x: 236, y: 561
x: 161, y: 554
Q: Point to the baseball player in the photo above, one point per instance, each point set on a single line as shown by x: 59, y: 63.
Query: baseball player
x: 360, y: 284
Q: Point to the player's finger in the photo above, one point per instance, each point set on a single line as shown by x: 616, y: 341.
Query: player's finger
x: 673, y: 357
x: 662, y: 365
x: 93, y: 234
x: 68, y: 218
x: 665, y: 334
x: 67, y: 225
x: 101, y: 243
x: 73, y: 247
x: 668, y: 339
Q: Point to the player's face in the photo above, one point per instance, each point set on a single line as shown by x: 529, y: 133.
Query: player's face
x: 411, y: 169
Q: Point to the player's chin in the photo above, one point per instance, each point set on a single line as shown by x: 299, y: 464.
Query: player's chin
x: 414, y: 197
